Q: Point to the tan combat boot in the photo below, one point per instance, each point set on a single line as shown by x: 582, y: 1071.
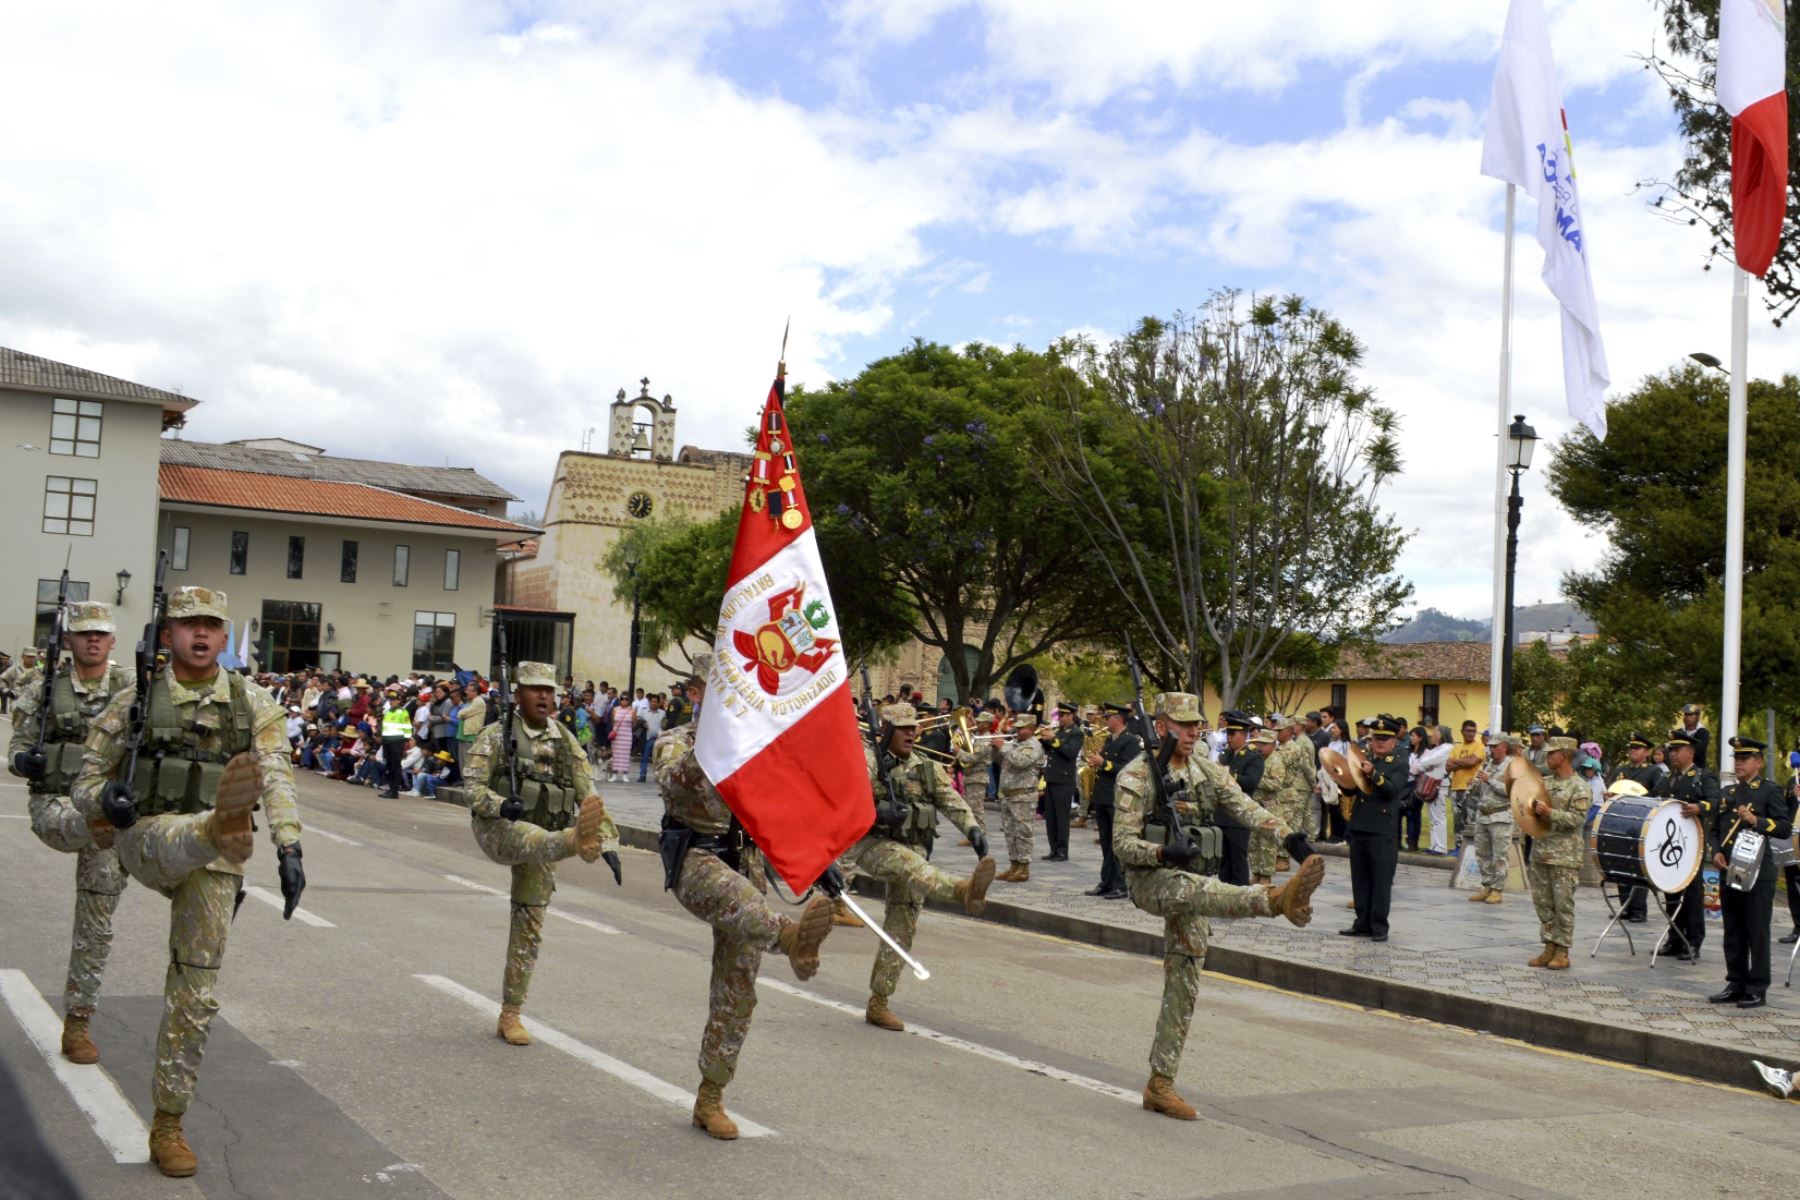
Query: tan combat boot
x: 841, y: 914
x: 972, y: 892
x: 77, y: 1044
x: 1017, y: 872
x: 1543, y: 957
x: 877, y: 1014
x: 709, y: 1113
x: 1559, y: 961
x: 1479, y: 896
x: 168, y: 1149
x: 1293, y: 899
x: 1281, y: 864
x: 1493, y: 897
x: 965, y: 842
x: 1261, y: 880
x: 510, y: 1029
x: 587, y: 829
x: 800, y: 939
x: 229, y: 828
x: 1078, y: 823
x: 1160, y: 1097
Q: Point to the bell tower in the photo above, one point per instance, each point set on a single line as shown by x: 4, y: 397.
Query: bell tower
x: 650, y: 436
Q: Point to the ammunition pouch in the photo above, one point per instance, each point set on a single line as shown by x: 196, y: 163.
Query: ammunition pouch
x: 1209, y: 838
x: 174, y: 775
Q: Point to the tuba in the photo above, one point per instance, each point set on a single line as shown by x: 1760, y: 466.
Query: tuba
x: 1022, y: 693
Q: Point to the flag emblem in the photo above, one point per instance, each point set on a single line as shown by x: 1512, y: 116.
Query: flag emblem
x: 788, y: 640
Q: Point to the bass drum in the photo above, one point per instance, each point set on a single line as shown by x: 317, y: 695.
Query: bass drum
x: 1646, y: 842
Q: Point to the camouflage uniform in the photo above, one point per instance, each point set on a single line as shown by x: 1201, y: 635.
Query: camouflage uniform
x: 17, y: 678
x: 1271, y: 792
x: 544, y: 836
x: 1302, y: 775
x: 1556, y: 860
x: 207, y: 722
x: 1183, y: 899
x: 1021, y: 762
x: 1494, y: 829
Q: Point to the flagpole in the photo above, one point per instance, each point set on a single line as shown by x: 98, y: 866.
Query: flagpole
x: 1734, y: 503
x: 1499, y: 648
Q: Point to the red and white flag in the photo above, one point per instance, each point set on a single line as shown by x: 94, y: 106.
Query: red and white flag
x: 778, y: 736
x: 1752, y: 87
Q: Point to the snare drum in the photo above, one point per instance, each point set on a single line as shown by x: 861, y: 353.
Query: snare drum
x: 1746, y: 861
x: 1781, y: 854
x: 1645, y: 842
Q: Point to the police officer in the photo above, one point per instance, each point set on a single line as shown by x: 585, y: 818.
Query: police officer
x: 1756, y: 805
x: 1062, y: 765
x: 1698, y: 790
x: 1638, y: 768
x: 1375, y: 831
x: 78, y: 694
x: 1118, y: 751
x: 1246, y: 767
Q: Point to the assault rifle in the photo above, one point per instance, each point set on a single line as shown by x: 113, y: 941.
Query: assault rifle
x: 1158, y: 752
x: 893, y: 812
x: 118, y: 803
x: 513, y: 807
x: 32, y: 764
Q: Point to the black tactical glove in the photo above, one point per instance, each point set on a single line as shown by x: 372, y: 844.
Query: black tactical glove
x: 891, y: 813
x: 1298, y: 848
x: 512, y: 808
x: 611, y: 859
x: 118, y: 805
x: 831, y: 882
x: 31, y: 764
x: 293, y: 878
x: 1181, y: 854
x: 978, y: 839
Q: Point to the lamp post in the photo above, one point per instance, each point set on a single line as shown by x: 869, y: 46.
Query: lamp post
x: 1521, y: 440
x: 631, y: 566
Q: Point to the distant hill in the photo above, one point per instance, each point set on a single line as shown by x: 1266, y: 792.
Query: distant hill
x: 1433, y: 625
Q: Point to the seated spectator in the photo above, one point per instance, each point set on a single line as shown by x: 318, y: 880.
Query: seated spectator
x: 433, y: 773
x: 296, y: 726
x: 409, y: 766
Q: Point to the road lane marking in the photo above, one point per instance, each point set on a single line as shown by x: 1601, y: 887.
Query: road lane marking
x: 584, y: 922
x: 14, y: 817
x: 329, y: 836
x: 1030, y: 1066
x: 115, y: 1122
x: 663, y: 1090
x: 277, y: 903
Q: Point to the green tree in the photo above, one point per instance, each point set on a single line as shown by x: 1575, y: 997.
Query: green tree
x: 924, y: 489
x: 1086, y: 677
x: 1700, y: 193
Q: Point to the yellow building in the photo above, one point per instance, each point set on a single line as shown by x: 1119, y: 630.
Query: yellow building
x: 1424, y: 682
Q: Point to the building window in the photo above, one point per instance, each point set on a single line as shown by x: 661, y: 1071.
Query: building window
x: 69, y: 505
x: 289, y: 638
x: 1340, y: 703
x: 46, y: 606
x: 402, y: 564
x: 1428, y: 705
x: 240, y: 552
x: 75, y: 427
x: 347, y: 566
x: 296, y: 557
x: 452, y: 569
x: 434, y: 641
x: 178, y: 552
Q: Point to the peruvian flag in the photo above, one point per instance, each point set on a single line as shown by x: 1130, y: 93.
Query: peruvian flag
x: 1752, y: 87
x: 778, y: 735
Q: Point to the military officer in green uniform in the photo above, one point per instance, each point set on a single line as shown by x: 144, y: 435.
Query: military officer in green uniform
x: 1374, y: 831
x: 212, y: 746
x: 1698, y: 790
x: 1556, y: 856
x: 554, y: 814
x: 1756, y: 805
x: 895, y: 848
x: 77, y: 695
x: 1021, y: 762
x: 1302, y: 770
x: 1165, y: 875
x: 1246, y: 766
x: 1271, y: 788
x: 1493, y: 816
x: 716, y: 874
x: 15, y: 679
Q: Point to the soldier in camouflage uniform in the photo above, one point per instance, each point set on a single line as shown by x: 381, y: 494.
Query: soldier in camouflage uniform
x: 78, y: 695
x: 16, y: 678
x: 1021, y: 763
x: 1160, y: 874
x: 1556, y: 856
x: 1271, y: 788
x: 556, y: 815
x: 1493, y: 817
x: 895, y: 848
x: 1302, y: 771
x: 716, y: 874
x: 213, y: 746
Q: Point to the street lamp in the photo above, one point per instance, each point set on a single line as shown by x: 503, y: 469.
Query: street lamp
x: 123, y: 577
x: 1521, y: 441
x: 631, y: 566
x: 1709, y: 360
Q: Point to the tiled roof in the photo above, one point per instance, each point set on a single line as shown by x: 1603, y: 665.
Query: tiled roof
x: 1466, y: 661
x: 404, y: 477
x: 315, y: 497
x: 30, y: 373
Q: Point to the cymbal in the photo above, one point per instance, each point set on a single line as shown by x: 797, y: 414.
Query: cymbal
x: 1341, y: 771
x: 1524, y: 786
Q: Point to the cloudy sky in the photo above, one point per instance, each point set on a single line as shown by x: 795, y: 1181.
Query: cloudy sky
x: 449, y: 230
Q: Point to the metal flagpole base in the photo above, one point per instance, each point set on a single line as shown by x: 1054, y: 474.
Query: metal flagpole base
x: 917, y: 967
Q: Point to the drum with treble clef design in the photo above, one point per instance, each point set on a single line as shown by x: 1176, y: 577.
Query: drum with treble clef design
x: 1647, y: 842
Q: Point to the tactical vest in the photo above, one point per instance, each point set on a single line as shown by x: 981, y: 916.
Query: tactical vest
x: 174, y: 775
x: 551, y: 792
x: 66, y: 737
x: 919, y: 826
x: 1209, y: 837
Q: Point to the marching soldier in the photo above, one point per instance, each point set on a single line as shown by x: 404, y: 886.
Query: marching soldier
x: 1020, y: 761
x: 1493, y: 817
x: 212, y: 746
x: 716, y: 874
x: 556, y: 814
x: 1375, y: 831
x: 1698, y: 790
x: 896, y: 848
x: 1637, y: 768
x: 1164, y: 879
x: 1118, y: 751
x: 1556, y: 856
x: 1062, y: 759
x: 1246, y: 766
x: 1271, y: 787
x: 1302, y: 770
x: 16, y: 678
x: 1756, y: 805
x: 77, y: 696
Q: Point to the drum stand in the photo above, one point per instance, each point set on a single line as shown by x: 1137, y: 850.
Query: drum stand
x: 1617, y: 912
x: 1790, y: 975
x: 1669, y: 919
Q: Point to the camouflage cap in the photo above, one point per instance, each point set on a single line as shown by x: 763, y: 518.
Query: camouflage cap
x: 186, y: 602
x: 1264, y: 737
x: 904, y: 716
x: 534, y: 674
x: 1178, y: 706
x: 702, y: 667
x: 1567, y: 745
x: 90, y: 616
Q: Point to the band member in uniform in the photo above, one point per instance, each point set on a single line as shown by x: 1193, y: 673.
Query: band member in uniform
x: 1755, y: 805
x: 1108, y: 760
x: 1020, y: 762
x: 1556, y: 856
x: 1698, y: 790
x: 1638, y: 768
x: 1375, y: 831
x: 1062, y: 751
x: 1271, y: 786
x: 1493, y: 827
x: 1246, y: 767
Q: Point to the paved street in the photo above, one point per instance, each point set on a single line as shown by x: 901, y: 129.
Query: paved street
x: 355, y: 1056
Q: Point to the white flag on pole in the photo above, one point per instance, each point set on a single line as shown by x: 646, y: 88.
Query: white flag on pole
x: 1528, y: 145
